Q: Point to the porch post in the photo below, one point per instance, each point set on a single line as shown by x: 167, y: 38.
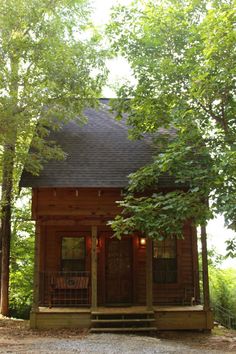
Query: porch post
x: 36, y: 268
x: 205, y: 278
x: 94, y: 267
x: 149, y: 273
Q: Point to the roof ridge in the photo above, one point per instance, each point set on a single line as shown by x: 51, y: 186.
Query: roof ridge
x: 116, y: 121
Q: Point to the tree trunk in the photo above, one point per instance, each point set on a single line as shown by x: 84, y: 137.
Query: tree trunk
x: 0, y: 246
x: 8, y: 159
x: 7, y: 186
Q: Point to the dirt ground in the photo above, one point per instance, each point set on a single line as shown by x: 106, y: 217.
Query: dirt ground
x: 17, y: 337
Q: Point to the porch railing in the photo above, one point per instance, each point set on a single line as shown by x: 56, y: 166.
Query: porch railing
x: 224, y: 316
x: 221, y: 315
x: 62, y: 289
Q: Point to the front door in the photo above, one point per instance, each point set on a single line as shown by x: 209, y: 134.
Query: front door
x: 119, y: 271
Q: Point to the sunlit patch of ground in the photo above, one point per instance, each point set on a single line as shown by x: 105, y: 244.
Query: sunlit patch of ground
x: 17, y: 337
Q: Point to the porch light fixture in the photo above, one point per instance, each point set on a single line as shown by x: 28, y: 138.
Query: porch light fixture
x: 142, y: 241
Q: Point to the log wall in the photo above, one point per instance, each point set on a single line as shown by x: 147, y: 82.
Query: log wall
x: 76, y: 202
x: 71, y: 212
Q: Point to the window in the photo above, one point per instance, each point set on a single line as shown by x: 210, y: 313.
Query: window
x: 165, y: 261
x: 73, y: 254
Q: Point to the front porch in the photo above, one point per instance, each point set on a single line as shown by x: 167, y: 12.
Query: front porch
x: 117, y: 290
x: 160, y: 318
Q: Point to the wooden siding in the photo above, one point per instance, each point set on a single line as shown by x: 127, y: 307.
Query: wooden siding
x: 187, y: 318
x: 141, y: 276
x: 58, y: 320
x: 187, y: 270
x: 175, y: 293
x: 71, y: 212
x: 76, y: 202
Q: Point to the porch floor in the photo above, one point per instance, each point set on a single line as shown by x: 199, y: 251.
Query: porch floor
x: 118, y: 310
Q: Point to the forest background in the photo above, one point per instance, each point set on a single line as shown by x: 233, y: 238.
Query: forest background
x: 223, y: 280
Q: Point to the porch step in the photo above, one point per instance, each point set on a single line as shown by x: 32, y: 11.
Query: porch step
x: 121, y: 329
x: 122, y: 321
x: 122, y: 312
x: 125, y: 320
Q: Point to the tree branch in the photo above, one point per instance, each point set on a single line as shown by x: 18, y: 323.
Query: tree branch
x: 209, y: 111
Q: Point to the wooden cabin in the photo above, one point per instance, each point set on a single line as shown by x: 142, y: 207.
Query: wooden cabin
x: 86, y: 278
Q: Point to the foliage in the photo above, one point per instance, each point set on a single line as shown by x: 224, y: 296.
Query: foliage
x: 182, y: 54
x: 223, y: 293
x: 222, y: 284
x: 50, y: 69
x: 223, y: 290
x: 48, y: 65
x: 231, y: 247
x: 163, y: 213
x: 22, y: 254
x: 155, y: 216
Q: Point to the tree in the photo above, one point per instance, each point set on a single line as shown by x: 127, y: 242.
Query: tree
x: 182, y: 54
x: 50, y: 69
x: 22, y: 257
x: 223, y: 290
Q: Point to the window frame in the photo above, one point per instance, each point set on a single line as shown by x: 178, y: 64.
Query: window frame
x: 80, y: 261
x: 176, y: 260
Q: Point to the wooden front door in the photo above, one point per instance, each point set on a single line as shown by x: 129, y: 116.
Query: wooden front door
x: 119, y: 271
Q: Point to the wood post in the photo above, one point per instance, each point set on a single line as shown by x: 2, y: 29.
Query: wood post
x: 205, y: 278
x: 94, y: 267
x: 149, y: 273
x: 5, y: 259
x: 196, y: 282
x: 36, y: 268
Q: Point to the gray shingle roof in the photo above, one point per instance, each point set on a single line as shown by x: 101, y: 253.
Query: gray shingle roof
x: 99, y: 154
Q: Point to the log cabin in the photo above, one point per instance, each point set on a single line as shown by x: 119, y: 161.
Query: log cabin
x: 86, y: 278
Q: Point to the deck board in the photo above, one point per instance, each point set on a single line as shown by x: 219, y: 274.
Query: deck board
x: 130, y: 309
x: 178, y: 308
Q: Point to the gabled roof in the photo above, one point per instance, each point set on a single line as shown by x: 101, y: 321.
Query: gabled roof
x: 99, y: 154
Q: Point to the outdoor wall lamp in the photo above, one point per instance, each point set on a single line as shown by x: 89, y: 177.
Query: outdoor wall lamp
x: 142, y: 241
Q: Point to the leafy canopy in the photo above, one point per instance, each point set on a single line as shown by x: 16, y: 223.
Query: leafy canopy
x: 182, y: 54
x: 50, y: 69
x: 50, y: 66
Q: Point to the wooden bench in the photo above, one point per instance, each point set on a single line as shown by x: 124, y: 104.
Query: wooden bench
x: 66, y: 288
